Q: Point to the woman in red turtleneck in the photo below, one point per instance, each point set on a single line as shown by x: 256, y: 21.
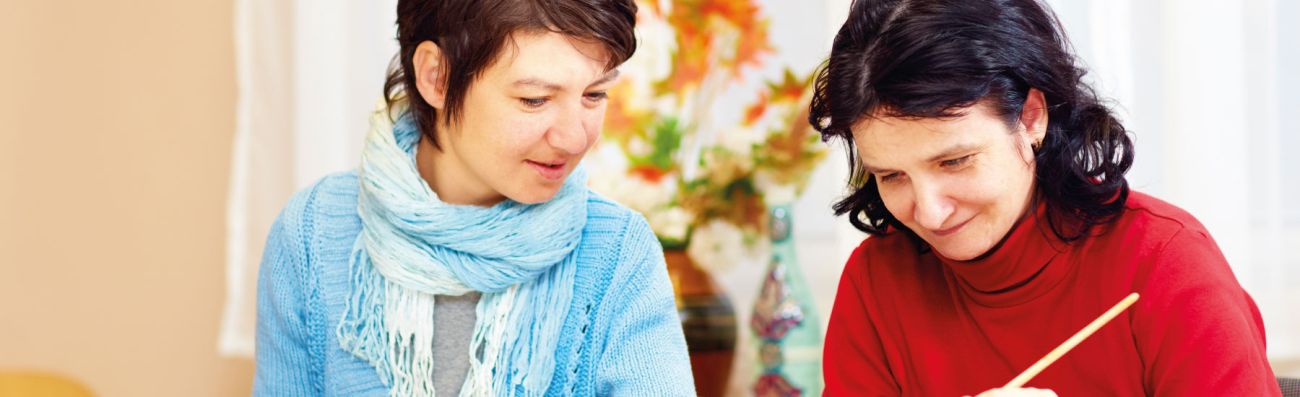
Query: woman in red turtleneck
x: 992, y: 179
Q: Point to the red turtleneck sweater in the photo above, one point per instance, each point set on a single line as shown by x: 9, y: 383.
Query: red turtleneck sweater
x: 911, y: 323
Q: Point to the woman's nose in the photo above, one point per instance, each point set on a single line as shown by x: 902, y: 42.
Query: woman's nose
x: 568, y: 134
x: 932, y: 208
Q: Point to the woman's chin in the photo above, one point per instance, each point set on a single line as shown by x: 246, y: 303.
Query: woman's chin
x: 959, y: 253
x: 536, y: 194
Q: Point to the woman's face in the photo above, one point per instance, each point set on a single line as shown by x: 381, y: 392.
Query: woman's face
x: 958, y: 183
x: 527, y: 121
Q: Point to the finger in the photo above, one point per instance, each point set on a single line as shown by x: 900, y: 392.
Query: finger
x: 1041, y: 392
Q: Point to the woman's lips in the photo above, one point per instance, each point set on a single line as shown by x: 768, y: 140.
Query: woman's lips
x: 548, y: 170
x: 951, y: 230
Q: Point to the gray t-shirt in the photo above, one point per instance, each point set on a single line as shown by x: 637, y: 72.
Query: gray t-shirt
x: 453, y: 319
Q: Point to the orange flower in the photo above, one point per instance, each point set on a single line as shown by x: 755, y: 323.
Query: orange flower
x: 756, y: 111
x: 649, y: 173
x: 790, y: 89
x: 623, y: 121
x: 697, y: 23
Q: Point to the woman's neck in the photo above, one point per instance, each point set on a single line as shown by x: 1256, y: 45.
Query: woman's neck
x: 449, y: 178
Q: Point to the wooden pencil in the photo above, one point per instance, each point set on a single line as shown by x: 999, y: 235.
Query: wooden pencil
x: 1065, y: 347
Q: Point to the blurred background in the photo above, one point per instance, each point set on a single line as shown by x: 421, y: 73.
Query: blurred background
x: 117, y: 123
x: 146, y: 145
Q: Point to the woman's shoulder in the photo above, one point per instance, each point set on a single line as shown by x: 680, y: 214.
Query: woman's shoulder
x: 616, y: 238
x: 1166, y: 244
x: 1143, y: 231
x: 601, y: 207
x: 335, y: 192
x: 1157, y: 218
x: 320, y: 222
x: 334, y: 195
x: 609, y: 223
x: 1150, y: 230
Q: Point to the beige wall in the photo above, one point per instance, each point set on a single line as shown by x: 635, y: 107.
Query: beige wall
x: 116, y: 120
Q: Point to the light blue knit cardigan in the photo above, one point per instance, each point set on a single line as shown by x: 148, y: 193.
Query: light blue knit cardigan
x: 622, y: 335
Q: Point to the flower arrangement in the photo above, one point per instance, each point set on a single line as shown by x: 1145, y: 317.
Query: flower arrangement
x: 703, y: 169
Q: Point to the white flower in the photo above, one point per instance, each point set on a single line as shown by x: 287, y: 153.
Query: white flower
x: 643, y: 196
x: 637, y: 146
x: 773, y: 192
x: 667, y: 104
x: 656, y: 42
x: 671, y: 223
x: 608, y: 170
x: 717, y: 246
x: 607, y: 166
x: 741, y: 140
x: 636, y: 193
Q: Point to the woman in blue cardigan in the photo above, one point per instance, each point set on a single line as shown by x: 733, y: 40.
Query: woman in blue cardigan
x: 466, y: 255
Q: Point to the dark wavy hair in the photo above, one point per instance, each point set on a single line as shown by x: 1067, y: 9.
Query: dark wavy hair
x: 934, y: 58
x: 472, y: 33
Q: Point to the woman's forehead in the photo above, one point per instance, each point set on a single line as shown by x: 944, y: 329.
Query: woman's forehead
x: 550, y: 59
x: 533, y: 48
x: 889, y: 140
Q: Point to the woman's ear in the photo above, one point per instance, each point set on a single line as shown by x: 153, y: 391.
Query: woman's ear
x: 1033, y: 117
x: 430, y: 74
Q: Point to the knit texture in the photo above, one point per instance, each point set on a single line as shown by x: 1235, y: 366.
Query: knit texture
x: 621, y: 336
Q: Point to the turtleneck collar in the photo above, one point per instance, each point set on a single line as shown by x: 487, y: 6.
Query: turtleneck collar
x: 1018, y: 269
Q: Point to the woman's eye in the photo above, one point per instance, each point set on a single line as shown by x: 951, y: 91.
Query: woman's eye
x: 887, y: 178
x: 533, y: 102
x: 955, y: 162
x: 596, y: 96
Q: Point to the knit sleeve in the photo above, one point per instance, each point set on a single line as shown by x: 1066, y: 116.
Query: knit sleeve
x: 645, y: 351
x: 1196, y: 328
x: 854, y: 358
x: 283, y: 361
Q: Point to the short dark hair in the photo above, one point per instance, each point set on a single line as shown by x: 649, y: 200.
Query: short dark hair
x: 934, y: 58
x: 472, y: 33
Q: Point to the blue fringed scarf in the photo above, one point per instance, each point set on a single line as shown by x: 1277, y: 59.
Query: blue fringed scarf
x: 413, y: 246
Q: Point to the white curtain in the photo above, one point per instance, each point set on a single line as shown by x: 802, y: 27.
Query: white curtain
x: 1206, y: 87
x: 309, y: 72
